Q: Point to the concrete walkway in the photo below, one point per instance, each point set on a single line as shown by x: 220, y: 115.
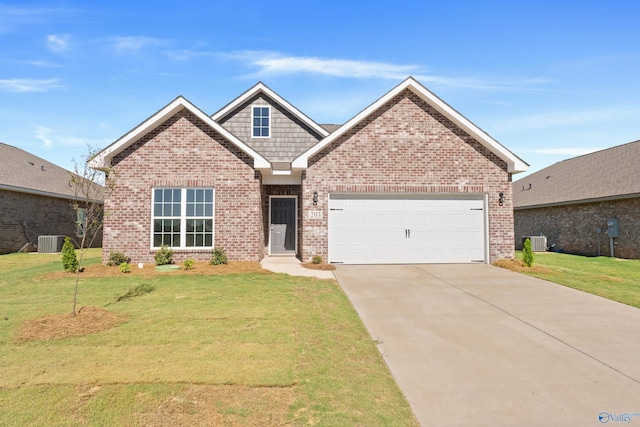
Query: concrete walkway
x: 293, y: 267
x: 478, y: 345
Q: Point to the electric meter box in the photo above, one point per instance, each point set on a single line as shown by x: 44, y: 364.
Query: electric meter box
x: 612, y: 227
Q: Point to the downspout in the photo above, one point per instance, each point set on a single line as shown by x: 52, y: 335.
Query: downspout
x: 24, y: 232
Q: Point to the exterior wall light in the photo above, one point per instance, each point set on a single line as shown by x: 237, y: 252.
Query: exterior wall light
x: 501, y: 198
x: 315, y: 198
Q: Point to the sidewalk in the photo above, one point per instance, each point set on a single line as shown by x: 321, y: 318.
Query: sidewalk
x: 293, y: 267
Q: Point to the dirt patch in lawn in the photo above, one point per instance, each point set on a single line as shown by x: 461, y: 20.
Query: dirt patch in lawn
x: 321, y: 266
x: 209, y: 405
x: 87, y: 320
x: 204, y: 268
x: 519, y: 267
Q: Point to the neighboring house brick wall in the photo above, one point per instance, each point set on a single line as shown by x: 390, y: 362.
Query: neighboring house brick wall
x: 407, y: 146
x: 184, y: 152
x: 44, y: 216
x: 573, y: 227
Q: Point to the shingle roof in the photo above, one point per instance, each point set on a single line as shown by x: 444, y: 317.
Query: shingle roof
x: 330, y: 127
x: 604, y: 175
x: 24, y: 172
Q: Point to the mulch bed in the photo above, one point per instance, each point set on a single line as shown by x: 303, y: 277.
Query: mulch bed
x: 87, y: 320
x: 200, y: 267
x: 312, y: 266
x: 519, y: 267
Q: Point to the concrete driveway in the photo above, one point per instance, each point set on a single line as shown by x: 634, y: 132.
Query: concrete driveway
x: 479, y: 345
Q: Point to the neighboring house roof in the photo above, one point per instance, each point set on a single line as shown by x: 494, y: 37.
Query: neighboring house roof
x: 23, y: 172
x: 262, y: 88
x: 103, y: 159
x: 514, y: 163
x: 604, y: 175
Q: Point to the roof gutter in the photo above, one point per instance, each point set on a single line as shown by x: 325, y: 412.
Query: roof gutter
x: 45, y: 193
x: 579, y: 202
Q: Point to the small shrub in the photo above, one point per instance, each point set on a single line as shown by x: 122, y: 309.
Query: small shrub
x: 164, y: 256
x: 219, y: 257
x: 188, y: 263
x: 125, y: 267
x: 69, y: 259
x: 117, y: 258
x: 527, y: 253
x: 317, y: 259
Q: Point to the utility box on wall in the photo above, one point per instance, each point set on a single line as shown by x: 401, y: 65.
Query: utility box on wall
x: 613, y: 230
x: 538, y: 243
x: 50, y: 244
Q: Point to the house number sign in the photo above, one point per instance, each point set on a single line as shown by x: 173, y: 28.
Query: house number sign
x: 315, y: 214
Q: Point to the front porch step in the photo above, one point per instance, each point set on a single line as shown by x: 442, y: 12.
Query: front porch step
x: 281, y: 256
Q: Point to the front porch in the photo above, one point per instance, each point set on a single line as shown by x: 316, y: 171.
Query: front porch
x: 282, y: 222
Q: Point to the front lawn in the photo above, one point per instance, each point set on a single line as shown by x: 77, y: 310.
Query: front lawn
x: 253, y: 348
x: 612, y: 278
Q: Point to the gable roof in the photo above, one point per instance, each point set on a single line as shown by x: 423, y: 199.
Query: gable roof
x: 103, y: 159
x: 604, y: 175
x: 24, y: 172
x: 514, y: 163
x: 259, y: 88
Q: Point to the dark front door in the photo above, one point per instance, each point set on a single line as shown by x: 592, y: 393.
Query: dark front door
x: 283, y: 225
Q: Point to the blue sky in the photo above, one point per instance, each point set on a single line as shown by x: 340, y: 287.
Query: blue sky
x: 548, y: 79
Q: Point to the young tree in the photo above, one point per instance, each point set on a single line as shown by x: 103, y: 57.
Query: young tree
x: 89, y: 192
x: 527, y: 253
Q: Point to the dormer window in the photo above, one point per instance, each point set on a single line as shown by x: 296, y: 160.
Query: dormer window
x: 261, y: 122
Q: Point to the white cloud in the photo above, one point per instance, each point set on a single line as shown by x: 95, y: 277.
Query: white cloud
x: 58, y: 44
x: 134, y: 44
x: 43, y: 134
x: 28, y: 85
x: 43, y: 64
x: 12, y: 17
x: 332, y: 67
x: 274, y: 63
x: 56, y: 139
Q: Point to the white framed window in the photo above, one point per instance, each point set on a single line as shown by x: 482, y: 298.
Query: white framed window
x: 261, y: 119
x: 81, y: 221
x: 182, y: 217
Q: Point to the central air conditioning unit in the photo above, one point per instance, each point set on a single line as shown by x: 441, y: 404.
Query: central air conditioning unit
x: 50, y: 244
x: 538, y: 243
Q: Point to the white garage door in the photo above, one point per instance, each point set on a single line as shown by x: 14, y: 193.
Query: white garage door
x: 385, y: 229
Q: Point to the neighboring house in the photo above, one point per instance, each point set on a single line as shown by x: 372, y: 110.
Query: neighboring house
x: 577, y: 202
x: 407, y: 180
x: 36, y: 199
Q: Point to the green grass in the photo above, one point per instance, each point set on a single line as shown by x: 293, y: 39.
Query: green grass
x: 612, y: 278
x: 248, y: 345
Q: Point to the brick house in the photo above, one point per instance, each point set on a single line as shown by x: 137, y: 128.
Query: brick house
x: 408, y: 179
x: 35, y: 200
x: 577, y: 202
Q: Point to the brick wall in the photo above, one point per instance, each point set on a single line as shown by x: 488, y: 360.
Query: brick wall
x: 573, y: 227
x: 44, y: 216
x: 407, y: 146
x: 184, y: 152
